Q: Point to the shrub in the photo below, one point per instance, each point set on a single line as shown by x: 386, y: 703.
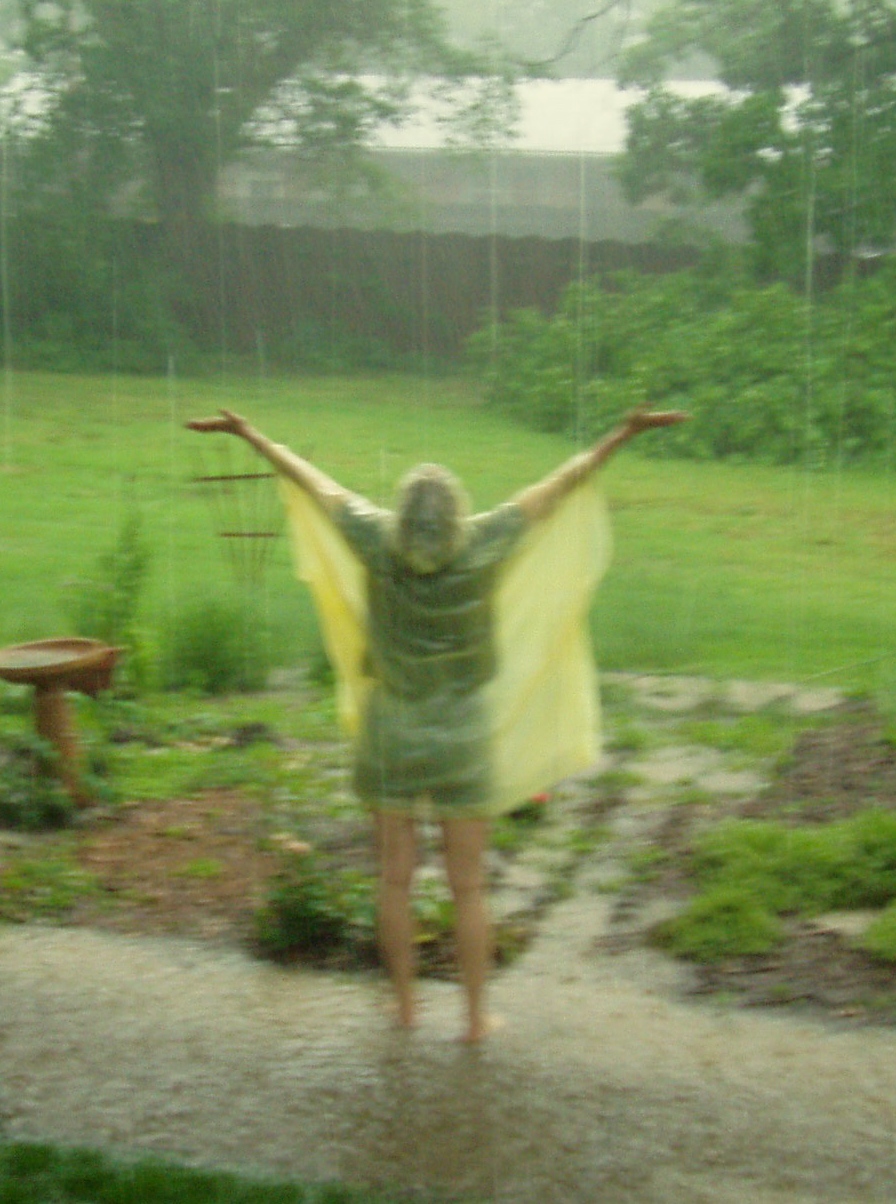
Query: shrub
x: 215, y: 645
x: 32, y: 797
x: 734, y: 353
x: 311, y: 911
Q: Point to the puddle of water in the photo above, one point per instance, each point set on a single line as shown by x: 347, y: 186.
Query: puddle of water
x: 600, y: 1088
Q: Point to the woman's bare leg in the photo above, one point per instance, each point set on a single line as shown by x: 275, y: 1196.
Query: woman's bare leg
x: 465, y: 842
x: 397, y: 851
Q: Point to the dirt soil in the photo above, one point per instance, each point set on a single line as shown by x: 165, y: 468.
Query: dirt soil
x: 833, y: 772
x: 179, y: 867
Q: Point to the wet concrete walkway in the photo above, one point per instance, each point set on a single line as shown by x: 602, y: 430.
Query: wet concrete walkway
x: 603, y: 1086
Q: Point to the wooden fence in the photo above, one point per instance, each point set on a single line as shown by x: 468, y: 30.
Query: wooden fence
x: 293, y: 295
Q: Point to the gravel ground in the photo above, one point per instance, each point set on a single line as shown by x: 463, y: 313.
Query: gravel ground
x: 602, y: 1086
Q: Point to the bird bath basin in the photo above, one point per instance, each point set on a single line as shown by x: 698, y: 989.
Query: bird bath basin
x: 54, y: 667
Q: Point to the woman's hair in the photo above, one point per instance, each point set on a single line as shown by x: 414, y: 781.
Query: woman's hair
x: 429, y: 524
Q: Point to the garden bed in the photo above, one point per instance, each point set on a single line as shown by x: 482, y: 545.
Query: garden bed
x: 209, y: 863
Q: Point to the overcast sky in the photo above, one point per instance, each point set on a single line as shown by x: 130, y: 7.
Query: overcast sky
x: 538, y: 29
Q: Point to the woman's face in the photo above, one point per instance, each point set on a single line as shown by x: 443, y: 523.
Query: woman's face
x: 429, y: 519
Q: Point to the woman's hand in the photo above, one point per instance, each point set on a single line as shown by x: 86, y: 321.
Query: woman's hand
x: 643, y: 419
x: 227, y: 423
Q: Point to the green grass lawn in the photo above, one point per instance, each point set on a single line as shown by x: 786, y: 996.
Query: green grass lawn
x: 32, y: 1173
x: 751, y: 572
x: 725, y: 570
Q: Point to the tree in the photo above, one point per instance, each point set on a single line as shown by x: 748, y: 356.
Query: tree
x: 805, y: 128
x: 164, y: 92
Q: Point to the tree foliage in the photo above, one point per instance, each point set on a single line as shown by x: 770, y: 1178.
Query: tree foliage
x: 164, y: 92
x: 805, y: 128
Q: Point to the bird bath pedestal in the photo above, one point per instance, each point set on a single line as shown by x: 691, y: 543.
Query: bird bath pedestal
x: 55, y: 667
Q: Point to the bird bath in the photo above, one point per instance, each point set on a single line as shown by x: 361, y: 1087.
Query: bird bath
x: 54, y: 667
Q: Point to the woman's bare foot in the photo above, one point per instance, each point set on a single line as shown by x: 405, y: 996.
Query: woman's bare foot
x: 478, y: 1030
x: 408, y: 1022
x: 400, y: 1016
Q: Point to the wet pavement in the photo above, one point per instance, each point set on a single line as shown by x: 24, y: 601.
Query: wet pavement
x: 602, y: 1086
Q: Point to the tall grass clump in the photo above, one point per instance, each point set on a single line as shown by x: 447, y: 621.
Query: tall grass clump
x: 32, y: 798
x: 750, y: 873
x: 215, y: 645
x: 105, y: 605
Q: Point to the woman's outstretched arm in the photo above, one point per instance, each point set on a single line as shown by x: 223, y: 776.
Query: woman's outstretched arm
x: 324, y: 489
x: 538, y: 500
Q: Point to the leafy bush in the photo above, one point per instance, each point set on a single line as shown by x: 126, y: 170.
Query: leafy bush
x: 764, y: 375
x: 312, y: 910
x: 517, y: 828
x: 32, y: 797
x: 215, y: 645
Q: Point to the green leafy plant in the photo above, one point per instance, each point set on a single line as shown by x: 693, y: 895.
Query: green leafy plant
x: 215, y: 645
x: 32, y: 797
x: 517, y: 829
x: 312, y: 910
x: 434, y: 913
x: 105, y: 605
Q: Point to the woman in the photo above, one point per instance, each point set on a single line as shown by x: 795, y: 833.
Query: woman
x: 418, y: 643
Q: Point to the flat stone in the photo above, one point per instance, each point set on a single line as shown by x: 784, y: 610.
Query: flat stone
x: 755, y: 695
x: 673, y: 694
x: 848, y: 924
x: 676, y: 765
x: 504, y: 903
x: 730, y: 781
x: 812, y: 702
x: 522, y: 877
